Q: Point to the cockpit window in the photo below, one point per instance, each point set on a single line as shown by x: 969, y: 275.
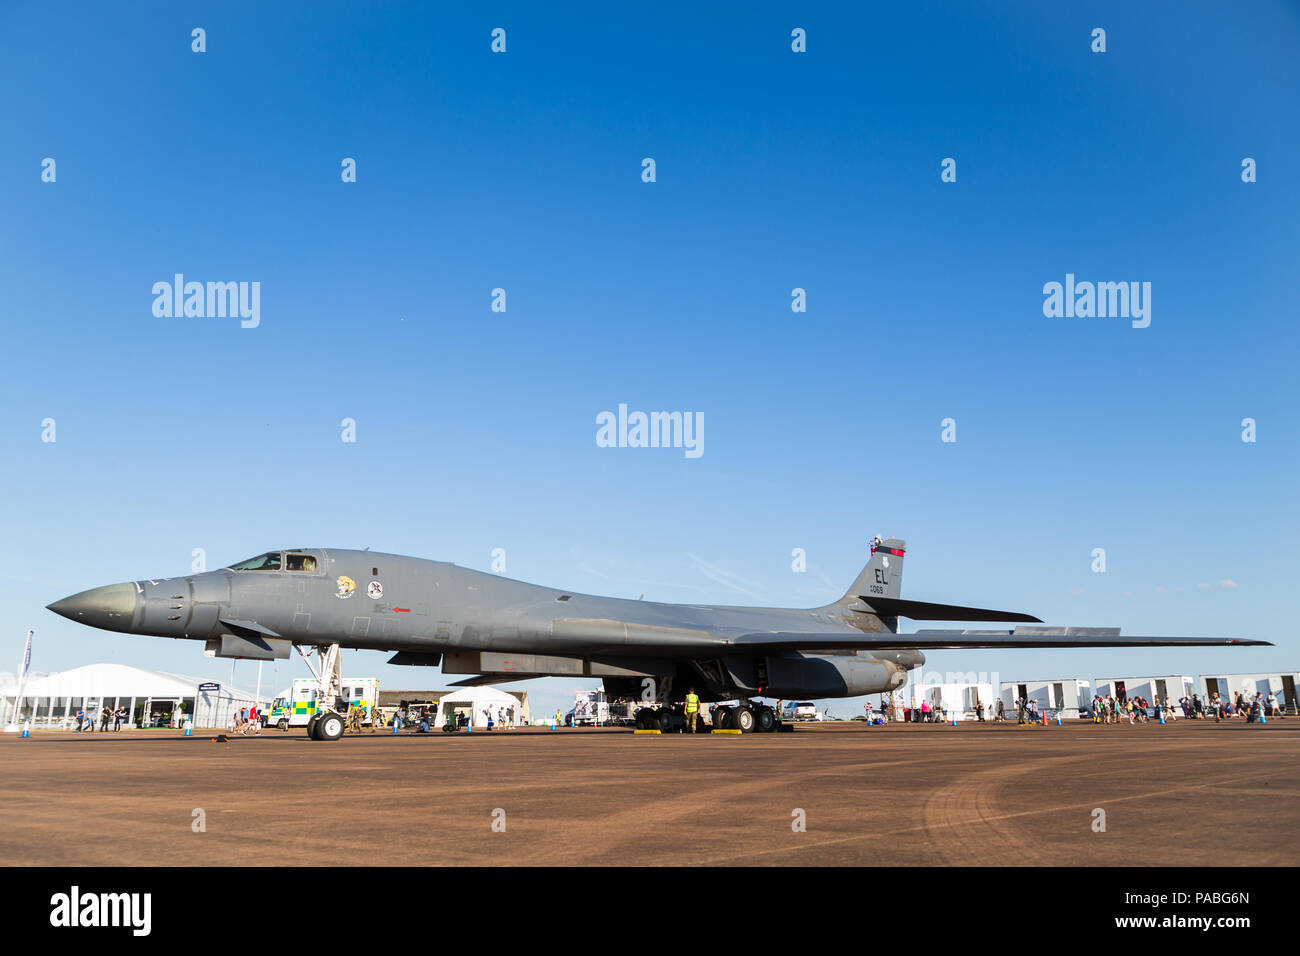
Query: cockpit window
x: 300, y: 562
x: 263, y: 562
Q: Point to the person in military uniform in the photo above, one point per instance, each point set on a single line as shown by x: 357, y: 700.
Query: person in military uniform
x: 354, y: 719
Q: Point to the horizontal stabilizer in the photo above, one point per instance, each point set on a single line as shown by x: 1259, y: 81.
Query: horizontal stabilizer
x: 925, y: 611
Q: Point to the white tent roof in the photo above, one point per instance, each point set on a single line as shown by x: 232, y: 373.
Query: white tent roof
x: 480, y: 695
x: 478, y: 700
x: 119, y: 680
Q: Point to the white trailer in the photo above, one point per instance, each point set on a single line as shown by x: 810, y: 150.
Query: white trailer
x: 1068, y: 696
x: 961, y: 701
x: 1172, y: 687
x: 1228, y: 686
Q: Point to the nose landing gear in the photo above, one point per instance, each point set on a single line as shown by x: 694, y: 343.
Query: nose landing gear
x: 326, y: 726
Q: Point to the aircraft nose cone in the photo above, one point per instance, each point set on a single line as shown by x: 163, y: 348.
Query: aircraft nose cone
x: 111, y: 607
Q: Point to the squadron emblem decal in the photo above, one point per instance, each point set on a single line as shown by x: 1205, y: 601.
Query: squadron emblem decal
x: 375, y: 590
x: 347, y: 587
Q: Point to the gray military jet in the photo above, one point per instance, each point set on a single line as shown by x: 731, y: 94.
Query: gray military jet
x: 496, y: 630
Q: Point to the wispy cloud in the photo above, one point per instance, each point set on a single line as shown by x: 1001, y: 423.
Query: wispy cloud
x: 588, y: 569
x: 1225, y: 584
x: 724, y: 577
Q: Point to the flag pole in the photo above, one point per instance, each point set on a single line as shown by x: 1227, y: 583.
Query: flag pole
x: 12, y: 727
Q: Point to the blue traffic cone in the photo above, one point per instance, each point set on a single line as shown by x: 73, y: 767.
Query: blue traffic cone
x: 189, y: 729
x: 1263, y: 719
x: 27, y: 729
x: 1058, y: 720
x: 1162, y: 716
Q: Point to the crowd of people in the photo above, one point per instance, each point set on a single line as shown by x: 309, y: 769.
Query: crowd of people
x: 1137, y: 709
x: 85, y: 720
x: 1105, y: 709
x: 248, y: 722
x: 500, y: 717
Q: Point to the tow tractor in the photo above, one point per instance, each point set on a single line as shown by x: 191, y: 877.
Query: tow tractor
x: 744, y: 715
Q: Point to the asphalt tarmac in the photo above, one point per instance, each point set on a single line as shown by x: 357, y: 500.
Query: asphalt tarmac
x: 1187, y: 793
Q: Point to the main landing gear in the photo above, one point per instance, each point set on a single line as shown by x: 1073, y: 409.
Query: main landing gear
x: 746, y: 716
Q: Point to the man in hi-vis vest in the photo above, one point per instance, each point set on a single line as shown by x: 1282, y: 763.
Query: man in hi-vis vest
x: 692, y: 709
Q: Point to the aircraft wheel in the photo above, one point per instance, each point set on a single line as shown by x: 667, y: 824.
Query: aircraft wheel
x: 312, y: 721
x: 664, y: 720
x: 329, y: 727
x: 765, y: 720
x: 722, y: 718
x: 643, y: 719
x: 743, y: 720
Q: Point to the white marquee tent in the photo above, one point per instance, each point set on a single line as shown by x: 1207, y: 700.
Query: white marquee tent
x: 476, y: 700
x: 151, y: 698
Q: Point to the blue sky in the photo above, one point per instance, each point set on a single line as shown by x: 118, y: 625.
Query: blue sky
x: 774, y: 170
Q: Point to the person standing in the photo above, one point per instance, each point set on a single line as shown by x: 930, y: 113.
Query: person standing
x: 692, y: 709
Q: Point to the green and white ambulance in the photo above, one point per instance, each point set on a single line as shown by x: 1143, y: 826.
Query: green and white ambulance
x: 356, y: 692
x: 277, y: 715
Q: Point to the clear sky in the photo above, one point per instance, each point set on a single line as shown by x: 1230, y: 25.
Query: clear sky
x: 774, y: 170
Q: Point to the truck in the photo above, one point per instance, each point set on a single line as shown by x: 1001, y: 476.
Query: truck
x: 590, y: 708
x: 355, y: 692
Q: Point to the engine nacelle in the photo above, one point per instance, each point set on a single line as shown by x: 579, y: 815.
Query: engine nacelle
x: 805, y: 676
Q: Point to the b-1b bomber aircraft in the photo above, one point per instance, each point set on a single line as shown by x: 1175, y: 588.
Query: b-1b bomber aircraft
x: 495, y: 630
